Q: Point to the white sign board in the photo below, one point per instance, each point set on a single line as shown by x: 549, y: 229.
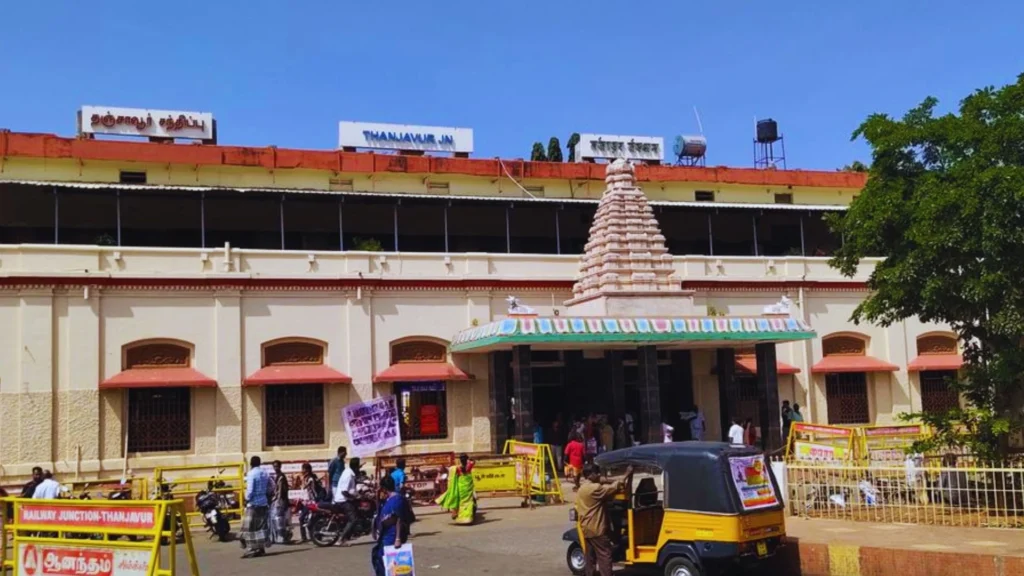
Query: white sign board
x: 405, y: 137
x: 372, y: 426
x: 610, y: 147
x: 148, y: 123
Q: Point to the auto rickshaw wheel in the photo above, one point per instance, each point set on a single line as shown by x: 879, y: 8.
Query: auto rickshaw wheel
x: 681, y: 567
x: 576, y: 559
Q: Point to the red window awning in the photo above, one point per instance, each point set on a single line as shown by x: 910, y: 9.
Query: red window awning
x: 169, y: 377
x: 929, y: 362
x: 747, y: 364
x: 421, y: 372
x: 839, y: 364
x: 297, y: 374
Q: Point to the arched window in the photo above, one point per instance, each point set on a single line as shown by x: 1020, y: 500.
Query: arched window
x: 159, y: 411
x: 422, y: 402
x: 937, y: 354
x: 846, y: 392
x: 293, y: 407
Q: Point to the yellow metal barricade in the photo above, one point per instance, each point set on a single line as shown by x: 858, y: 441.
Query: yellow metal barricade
x: 540, y: 468
x: 501, y: 476
x: 93, y: 537
x: 887, y: 445
x: 184, y: 482
x: 819, y: 442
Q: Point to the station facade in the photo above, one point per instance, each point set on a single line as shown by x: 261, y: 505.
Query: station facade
x: 170, y: 304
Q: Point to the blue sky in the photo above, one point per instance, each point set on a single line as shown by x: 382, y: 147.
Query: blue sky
x: 515, y: 72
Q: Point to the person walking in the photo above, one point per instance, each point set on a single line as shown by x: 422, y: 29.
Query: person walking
x: 29, y: 489
x: 591, y: 503
x: 254, y: 534
x: 736, y: 433
x: 392, y: 524
x: 281, y: 506
x: 48, y: 488
x: 345, y: 496
x: 336, y: 467
x: 557, y: 439
x: 698, y: 426
x: 574, y: 454
x: 314, y: 492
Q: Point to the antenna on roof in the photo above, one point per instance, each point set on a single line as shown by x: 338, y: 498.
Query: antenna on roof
x: 699, y: 125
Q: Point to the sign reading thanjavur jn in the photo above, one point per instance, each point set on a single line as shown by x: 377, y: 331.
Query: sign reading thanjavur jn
x: 147, y: 123
x: 405, y: 137
x: 611, y: 147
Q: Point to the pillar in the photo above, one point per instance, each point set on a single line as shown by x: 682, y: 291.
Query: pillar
x: 680, y: 393
x: 498, y: 381
x: 728, y: 392
x: 522, y: 392
x: 616, y: 384
x: 768, y: 397
x: 649, y: 390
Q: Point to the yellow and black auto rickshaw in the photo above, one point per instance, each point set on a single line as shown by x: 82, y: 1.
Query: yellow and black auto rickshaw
x: 692, y: 509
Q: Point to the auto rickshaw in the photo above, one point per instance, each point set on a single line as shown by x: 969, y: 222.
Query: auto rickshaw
x: 691, y: 509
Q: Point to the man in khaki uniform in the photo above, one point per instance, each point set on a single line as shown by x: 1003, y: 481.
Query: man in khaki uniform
x: 591, y: 500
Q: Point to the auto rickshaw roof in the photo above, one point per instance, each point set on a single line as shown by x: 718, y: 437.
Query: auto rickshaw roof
x: 662, y: 455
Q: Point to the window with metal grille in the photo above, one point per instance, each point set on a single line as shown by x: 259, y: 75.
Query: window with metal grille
x: 937, y: 396
x: 424, y: 410
x: 704, y: 196
x: 847, y: 398
x: 294, y: 414
x: 159, y: 419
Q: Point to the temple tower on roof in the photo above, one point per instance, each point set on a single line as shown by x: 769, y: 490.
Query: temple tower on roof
x: 626, y: 269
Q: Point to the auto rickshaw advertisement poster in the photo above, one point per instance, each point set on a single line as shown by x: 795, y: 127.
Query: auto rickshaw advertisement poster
x: 753, y: 482
x: 399, y: 561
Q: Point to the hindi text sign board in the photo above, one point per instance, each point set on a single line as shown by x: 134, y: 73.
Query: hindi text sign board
x: 612, y: 146
x: 372, y: 426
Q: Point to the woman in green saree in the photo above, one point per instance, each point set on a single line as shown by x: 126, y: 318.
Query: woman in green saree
x: 460, y: 498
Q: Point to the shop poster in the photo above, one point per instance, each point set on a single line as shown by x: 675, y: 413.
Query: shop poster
x: 753, y: 482
x: 372, y: 426
x: 398, y: 561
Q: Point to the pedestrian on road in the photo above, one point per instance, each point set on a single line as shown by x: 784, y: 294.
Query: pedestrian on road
x: 48, y: 489
x: 336, y: 467
x: 392, y: 524
x: 254, y: 534
x: 315, y: 492
x: 282, y: 507
x: 345, y: 496
x: 398, y: 474
x: 591, y: 502
x: 574, y: 452
x: 736, y: 434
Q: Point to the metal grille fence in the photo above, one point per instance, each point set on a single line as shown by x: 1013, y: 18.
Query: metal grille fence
x: 920, y: 493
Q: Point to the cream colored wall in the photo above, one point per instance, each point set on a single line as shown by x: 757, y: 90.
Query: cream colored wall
x: 60, y: 170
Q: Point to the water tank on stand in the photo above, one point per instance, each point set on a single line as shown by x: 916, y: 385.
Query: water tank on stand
x: 767, y: 131
x: 690, y: 150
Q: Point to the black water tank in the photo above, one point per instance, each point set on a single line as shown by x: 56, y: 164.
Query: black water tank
x: 767, y: 130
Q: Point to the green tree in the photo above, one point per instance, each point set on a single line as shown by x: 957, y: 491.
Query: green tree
x: 855, y: 166
x: 943, y: 205
x: 574, y: 139
x: 554, y: 150
x: 538, y: 155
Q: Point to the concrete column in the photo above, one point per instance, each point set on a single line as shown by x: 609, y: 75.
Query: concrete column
x: 616, y: 383
x: 82, y: 427
x: 768, y: 397
x: 36, y: 378
x: 649, y: 389
x: 360, y: 358
x: 498, y: 398
x: 728, y: 392
x: 228, y: 404
x: 522, y: 392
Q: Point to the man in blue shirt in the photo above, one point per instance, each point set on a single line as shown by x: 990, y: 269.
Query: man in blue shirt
x: 254, y: 533
x: 336, y: 467
x: 392, y: 524
x: 398, y: 474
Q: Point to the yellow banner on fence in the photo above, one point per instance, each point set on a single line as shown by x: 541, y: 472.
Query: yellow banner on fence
x: 496, y: 476
x: 93, y: 537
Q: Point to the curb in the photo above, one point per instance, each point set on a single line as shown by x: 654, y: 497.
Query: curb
x: 811, y: 559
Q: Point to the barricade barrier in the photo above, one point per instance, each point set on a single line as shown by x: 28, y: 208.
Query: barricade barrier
x: 502, y: 476
x: 425, y: 474
x: 93, y: 537
x: 887, y: 445
x: 877, y: 445
x: 539, y: 468
x: 133, y: 488
x: 184, y: 482
x: 820, y: 442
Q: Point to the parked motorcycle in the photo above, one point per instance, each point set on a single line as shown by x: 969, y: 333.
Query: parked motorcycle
x: 327, y: 521
x: 164, y: 491
x: 210, y: 504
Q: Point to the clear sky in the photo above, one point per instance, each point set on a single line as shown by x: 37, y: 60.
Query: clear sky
x: 284, y: 73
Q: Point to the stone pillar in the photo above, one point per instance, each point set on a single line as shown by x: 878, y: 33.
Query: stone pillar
x: 680, y: 396
x: 498, y: 397
x: 616, y: 384
x: 649, y: 390
x: 522, y: 392
x: 728, y: 392
x: 768, y: 397
x: 228, y: 409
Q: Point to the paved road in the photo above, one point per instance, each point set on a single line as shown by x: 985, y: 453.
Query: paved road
x: 508, y: 541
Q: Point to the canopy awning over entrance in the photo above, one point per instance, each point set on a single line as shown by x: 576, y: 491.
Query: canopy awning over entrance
x: 747, y: 364
x: 842, y: 364
x: 297, y: 374
x: 597, y: 332
x: 421, y: 372
x: 174, y: 376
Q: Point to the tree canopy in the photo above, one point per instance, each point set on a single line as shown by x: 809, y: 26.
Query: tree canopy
x: 538, y: 154
x: 574, y: 139
x: 554, y: 150
x: 944, y: 205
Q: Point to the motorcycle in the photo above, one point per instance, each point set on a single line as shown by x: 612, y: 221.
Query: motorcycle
x: 164, y: 491
x: 327, y: 521
x: 210, y: 503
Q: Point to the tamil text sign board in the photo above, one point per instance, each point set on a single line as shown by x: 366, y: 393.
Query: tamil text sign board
x: 46, y: 559
x: 405, y: 137
x: 147, y: 123
x: 611, y: 147
x: 372, y: 426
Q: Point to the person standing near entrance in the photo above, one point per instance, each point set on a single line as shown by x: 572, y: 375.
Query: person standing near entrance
x: 590, y: 505
x: 736, y: 433
x: 698, y: 426
x: 574, y: 452
x: 787, y: 419
x: 796, y: 415
x: 254, y: 534
x: 749, y: 433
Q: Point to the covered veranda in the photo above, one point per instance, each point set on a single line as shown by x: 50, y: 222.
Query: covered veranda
x: 597, y: 352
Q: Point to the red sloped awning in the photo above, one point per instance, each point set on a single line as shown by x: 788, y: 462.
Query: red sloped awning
x: 747, y: 364
x: 421, y: 372
x: 297, y: 374
x: 158, y: 378
x: 838, y: 364
x: 936, y: 362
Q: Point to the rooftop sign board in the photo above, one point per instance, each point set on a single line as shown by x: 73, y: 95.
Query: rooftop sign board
x: 610, y: 147
x: 146, y: 123
x: 405, y: 137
